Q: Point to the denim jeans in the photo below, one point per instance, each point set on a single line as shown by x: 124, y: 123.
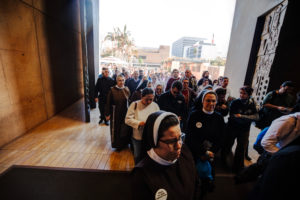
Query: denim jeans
x: 137, y: 148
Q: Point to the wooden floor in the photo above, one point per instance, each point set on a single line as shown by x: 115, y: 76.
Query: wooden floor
x: 67, y: 141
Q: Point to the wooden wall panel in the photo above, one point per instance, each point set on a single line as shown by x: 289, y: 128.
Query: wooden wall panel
x: 40, y: 63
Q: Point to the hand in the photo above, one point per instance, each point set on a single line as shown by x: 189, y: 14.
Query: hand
x: 280, y: 108
x: 237, y: 115
x: 107, y: 118
x: 223, y: 106
x: 142, y: 124
x: 210, y: 154
x: 179, y: 118
x: 96, y: 100
x: 284, y: 109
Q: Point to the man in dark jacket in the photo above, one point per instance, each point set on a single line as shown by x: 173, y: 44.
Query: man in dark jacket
x: 173, y: 101
x: 103, y: 85
x: 133, y: 82
x: 242, y: 113
x: 276, y: 103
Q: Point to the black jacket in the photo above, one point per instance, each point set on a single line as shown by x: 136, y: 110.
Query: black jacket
x: 244, y: 108
x: 169, y: 103
x: 102, y: 88
x: 132, y: 85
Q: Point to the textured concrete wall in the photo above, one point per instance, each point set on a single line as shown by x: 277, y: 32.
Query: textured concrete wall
x: 40, y: 62
x: 242, y: 33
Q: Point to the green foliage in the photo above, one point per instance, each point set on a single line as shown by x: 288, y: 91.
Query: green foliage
x: 218, y: 62
x: 122, y: 44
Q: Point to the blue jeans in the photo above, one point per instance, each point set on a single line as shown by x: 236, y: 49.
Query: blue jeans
x: 257, y: 144
x: 137, y: 148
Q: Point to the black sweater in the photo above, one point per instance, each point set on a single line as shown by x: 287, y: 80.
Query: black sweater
x: 247, y: 108
x: 204, y: 132
x: 179, y: 180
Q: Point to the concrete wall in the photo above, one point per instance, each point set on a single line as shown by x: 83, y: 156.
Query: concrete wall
x: 96, y: 29
x: 242, y: 33
x: 40, y: 62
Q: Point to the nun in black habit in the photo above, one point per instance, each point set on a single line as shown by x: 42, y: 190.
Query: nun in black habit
x: 167, y: 170
x: 204, y: 138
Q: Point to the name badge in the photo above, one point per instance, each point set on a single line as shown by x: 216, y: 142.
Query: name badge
x: 198, y: 124
x: 161, y: 194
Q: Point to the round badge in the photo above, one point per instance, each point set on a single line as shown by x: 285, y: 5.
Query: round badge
x: 161, y: 194
x: 198, y: 124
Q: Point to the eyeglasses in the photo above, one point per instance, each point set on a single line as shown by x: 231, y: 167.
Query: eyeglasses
x: 174, y: 141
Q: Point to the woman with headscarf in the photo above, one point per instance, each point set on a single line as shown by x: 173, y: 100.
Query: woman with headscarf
x: 198, y: 100
x: 205, y: 131
x: 136, y: 117
x: 116, y: 109
x: 167, y: 170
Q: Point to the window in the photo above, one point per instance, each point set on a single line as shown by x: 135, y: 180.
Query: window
x: 143, y: 57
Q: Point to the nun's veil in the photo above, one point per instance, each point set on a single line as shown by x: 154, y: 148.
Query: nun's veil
x: 152, y: 122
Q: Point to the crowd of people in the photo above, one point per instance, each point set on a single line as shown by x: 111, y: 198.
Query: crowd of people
x: 178, y: 123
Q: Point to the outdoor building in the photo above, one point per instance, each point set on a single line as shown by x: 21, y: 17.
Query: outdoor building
x: 201, y: 50
x: 196, y: 66
x: 179, y: 46
x: 151, y: 57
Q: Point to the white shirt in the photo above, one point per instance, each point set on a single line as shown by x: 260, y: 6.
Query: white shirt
x: 228, y: 93
x: 282, y: 131
x: 134, y: 117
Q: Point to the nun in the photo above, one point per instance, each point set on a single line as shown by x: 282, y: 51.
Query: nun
x: 167, y: 170
x: 204, y: 137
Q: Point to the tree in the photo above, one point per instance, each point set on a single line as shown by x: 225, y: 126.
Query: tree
x: 122, y: 44
x: 218, y: 62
